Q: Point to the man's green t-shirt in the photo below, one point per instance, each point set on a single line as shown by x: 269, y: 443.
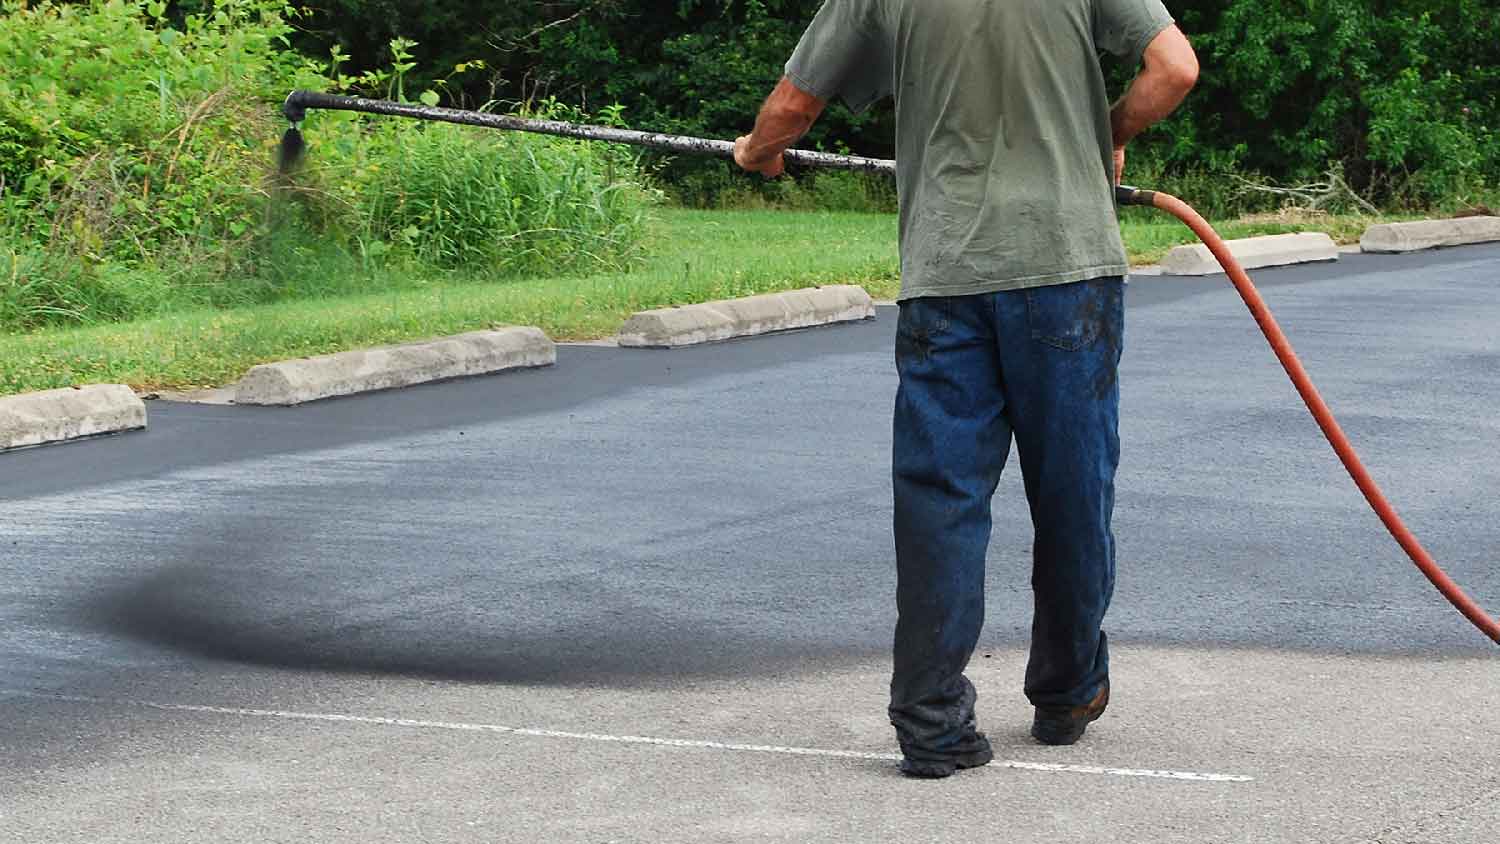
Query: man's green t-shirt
x: 1003, y: 151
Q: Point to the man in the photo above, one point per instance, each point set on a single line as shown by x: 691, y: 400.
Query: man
x: 1011, y: 318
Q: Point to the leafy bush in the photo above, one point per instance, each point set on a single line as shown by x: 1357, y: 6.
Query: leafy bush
x: 136, y: 150
x: 1403, y: 94
x: 126, y: 137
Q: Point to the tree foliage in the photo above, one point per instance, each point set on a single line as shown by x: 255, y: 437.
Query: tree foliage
x: 1403, y: 94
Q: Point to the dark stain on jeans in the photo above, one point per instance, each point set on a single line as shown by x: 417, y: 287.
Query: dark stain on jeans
x: 1094, y: 315
x: 1104, y: 380
x: 917, y: 343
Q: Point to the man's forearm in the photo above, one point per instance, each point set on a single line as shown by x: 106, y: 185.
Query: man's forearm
x: 1149, y: 99
x: 1170, y: 72
x: 786, y: 116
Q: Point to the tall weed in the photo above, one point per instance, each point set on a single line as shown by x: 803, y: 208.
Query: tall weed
x: 454, y: 196
x: 131, y: 138
x: 136, y: 150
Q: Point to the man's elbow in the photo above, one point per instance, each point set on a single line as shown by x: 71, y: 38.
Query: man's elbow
x: 1171, y: 59
x: 1182, y: 73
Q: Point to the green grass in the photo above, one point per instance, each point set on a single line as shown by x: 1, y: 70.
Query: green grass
x: 694, y: 256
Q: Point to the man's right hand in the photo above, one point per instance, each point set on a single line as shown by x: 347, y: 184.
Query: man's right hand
x: 744, y: 156
x: 1119, y: 165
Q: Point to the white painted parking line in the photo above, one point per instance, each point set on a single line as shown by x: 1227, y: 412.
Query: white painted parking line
x: 694, y: 744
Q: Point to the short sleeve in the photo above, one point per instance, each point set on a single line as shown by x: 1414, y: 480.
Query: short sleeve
x: 843, y: 54
x: 1126, y: 27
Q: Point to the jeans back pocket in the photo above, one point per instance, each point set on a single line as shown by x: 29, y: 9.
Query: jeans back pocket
x: 1073, y: 316
x: 922, y: 321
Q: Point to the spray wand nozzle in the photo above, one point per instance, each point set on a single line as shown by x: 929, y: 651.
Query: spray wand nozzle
x: 289, y: 154
x: 293, y: 108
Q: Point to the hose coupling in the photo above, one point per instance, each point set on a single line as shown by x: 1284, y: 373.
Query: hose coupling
x: 1127, y: 195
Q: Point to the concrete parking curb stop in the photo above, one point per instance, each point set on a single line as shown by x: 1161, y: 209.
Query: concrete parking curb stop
x: 68, y: 414
x: 476, y: 353
x: 1253, y: 252
x: 722, y: 320
x: 1430, y: 234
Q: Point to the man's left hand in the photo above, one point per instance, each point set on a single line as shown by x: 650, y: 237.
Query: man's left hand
x: 770, y: 169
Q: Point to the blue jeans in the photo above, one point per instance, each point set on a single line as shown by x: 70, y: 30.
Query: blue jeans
x: 1040, y: 365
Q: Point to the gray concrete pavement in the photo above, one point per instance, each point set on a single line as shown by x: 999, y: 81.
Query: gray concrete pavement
x: 1340, y: 748
x: 695, y: 545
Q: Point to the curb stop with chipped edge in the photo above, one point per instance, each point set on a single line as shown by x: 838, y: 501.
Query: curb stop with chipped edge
x: 709, y: 322
x: 291, y: 382
x: 1275, y: 250
x: 71, y: 413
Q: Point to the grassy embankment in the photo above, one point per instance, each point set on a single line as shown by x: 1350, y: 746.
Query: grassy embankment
x: 693, y: 256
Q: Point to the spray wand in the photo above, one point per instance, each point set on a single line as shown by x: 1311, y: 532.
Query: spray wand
x: 298, y: 102
x: 292, y: 146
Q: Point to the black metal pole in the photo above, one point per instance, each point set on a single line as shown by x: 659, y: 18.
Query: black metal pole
x: 298, y: 102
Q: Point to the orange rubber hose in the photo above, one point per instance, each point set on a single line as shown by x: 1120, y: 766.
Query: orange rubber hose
x: 1336, y: 438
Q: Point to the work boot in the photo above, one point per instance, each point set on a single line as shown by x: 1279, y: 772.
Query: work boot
x: 972, y: 753
x: 1065, y: 725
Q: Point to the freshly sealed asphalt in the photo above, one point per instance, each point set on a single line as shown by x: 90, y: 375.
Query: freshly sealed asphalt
x: 696, y: 543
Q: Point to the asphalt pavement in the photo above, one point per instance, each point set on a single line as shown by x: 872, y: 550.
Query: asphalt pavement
x: 648, y: 596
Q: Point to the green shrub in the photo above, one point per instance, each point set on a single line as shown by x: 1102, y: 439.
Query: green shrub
x: 1404, y: 95
x: 1434, y: 146
x: 720, y: 184
x: 136, y: 151
x: 127, y: 137
x: 845, y: 191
